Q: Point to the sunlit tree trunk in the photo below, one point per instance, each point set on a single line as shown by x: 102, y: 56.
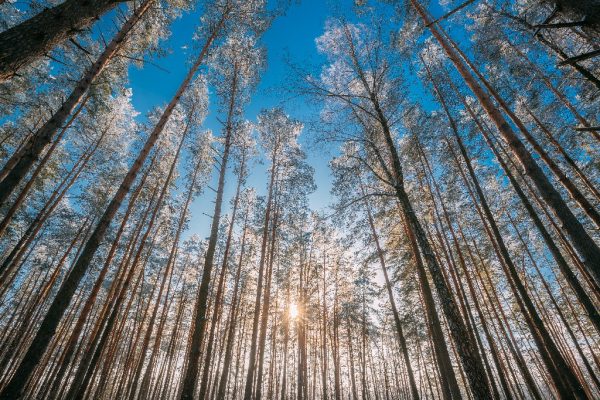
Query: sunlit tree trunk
x: 584, y: 244
x: 401, y: 339
x: 200, y: 307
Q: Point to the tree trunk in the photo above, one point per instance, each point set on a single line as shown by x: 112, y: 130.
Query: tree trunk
x: 565, y: 269
x: 40, y: 167
x: 248, y: 388
x: 85, y: 368
x: 584, y: 244
x: 232, y: 318
x: 468, y: 353
x: 200, y: 308
x: 21, y: 162
x: 31, y: 39
x: 401, y: 339
x: 221, y: 282
x: 266, y: 305
x: 67, y: 290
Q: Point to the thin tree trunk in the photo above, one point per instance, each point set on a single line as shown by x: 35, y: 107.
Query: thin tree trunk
x: 248, y: 388
x: 584, y: 244
x: 200, y: 308
x: 40, y: 167
x: 571, y: 278
x: 266, y: 305
x: 67, y: 290
x: 233, y: 312
x: 565, y: 378
x: 85, y: 368
x: 219, y: 294
x: 170, y: 262
x: 401, y: 339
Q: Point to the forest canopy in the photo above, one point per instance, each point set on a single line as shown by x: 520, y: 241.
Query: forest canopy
x: 248, y: 199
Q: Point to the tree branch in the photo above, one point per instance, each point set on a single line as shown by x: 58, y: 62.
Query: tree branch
x: 581, y: 57
x: 449, y: 13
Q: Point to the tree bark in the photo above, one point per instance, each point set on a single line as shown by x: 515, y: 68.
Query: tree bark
x: 263, y: 253
x: 31, y: 39
x: 22, y: 161
x: 219, y: 295
x: 584, y: 244
x: 200, y: 308
x: 67, y: 290
x: 565, y: 269
x: 401, y: 339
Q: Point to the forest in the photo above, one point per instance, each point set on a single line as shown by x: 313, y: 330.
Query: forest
x: 299, y: 199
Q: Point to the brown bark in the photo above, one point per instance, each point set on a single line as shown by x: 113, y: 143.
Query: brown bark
x: 69, y: 349
x: 22, y: 161
x: 200, y: 307
x: 584, y: 244
x: 565, y: 269
x: 233, y: 312
x: 401, y: 339
x: 67, y: 290
x: 448, y: 382
x: 588, y: 183
x: 566, y: 377
x: 219, y: 294
x: 31, y: 39
x: 42, y: 164
x: 466, y: 348
x: 266, y: 304
x: 166, y: 277
x: 121, y: 284
x: 12, y: 262
x: 564, y: 180
x: 248, y: 388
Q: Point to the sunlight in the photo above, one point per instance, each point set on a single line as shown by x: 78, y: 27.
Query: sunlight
x: 294, y: 312
x: 200, y: 165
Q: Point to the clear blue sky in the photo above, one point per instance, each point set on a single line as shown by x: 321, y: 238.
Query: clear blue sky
x: 293, y: 35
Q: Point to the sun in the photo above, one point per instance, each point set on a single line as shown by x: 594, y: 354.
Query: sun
x: 294, y: 312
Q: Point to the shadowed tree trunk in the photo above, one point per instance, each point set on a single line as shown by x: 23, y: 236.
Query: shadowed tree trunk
x: 560, y: 371
x: 22, y: 161
x: 401, y: 339
x: 219, y: 295
x: 584, y: 244
x: 67, y: 290
x: 200, y: 308
x: 565, y: 269
x: 31, y: 39
x: 248, y: 388
x: 233, y: 313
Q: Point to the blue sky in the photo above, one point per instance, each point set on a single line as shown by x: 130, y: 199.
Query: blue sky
x: 291, y: 35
